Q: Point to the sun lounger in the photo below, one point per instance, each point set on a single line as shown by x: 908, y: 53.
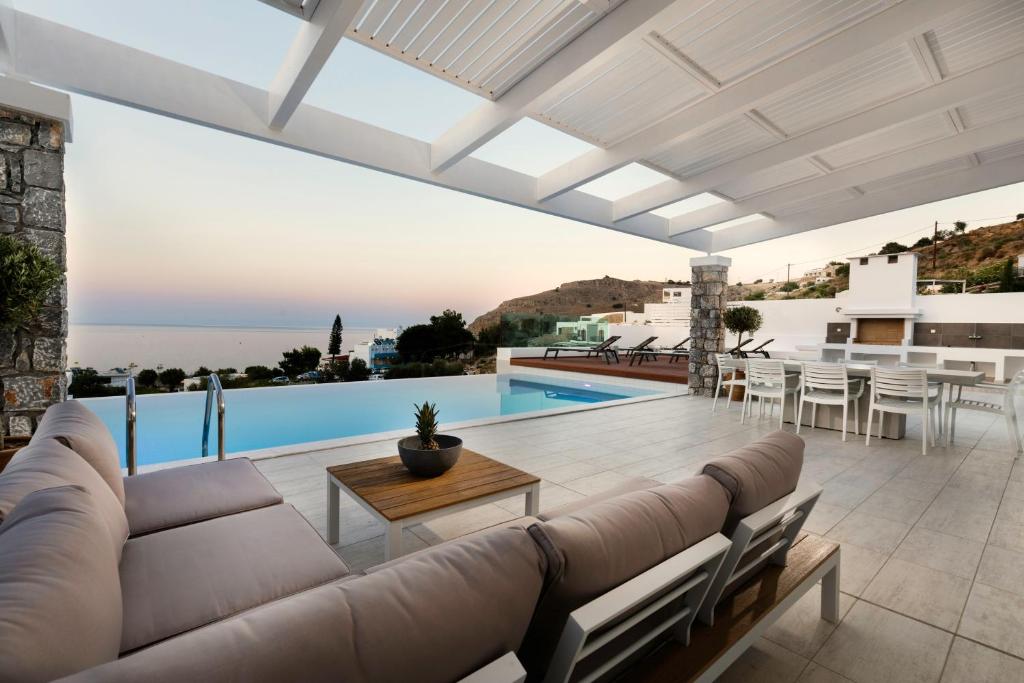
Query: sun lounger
x: 735, y: 351
x: 758, y: 350
x: 674, y: 353
x: 603, y: 349
x: 642, y: 346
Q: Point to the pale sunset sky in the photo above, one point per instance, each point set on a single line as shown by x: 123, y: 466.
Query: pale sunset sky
x: 172, y: 223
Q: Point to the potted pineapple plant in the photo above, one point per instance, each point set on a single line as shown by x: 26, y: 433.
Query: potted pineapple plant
x: 428, y: 454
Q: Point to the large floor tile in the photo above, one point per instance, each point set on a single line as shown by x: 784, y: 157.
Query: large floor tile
x: 1002, y: 568
x: 873, y: 644
x: 1006, y: 534
x: 823, y: 517
x: 934, y: 597
x: 765, y: 662
x: 857, y: 566
x: 950, y: 554
x: 956, y: 517
x: 973, y: 663
x: 801, y: 629
x: 816, y: 673
x: 893, y: 506
x: 875, y: 533
x: 996, y: 618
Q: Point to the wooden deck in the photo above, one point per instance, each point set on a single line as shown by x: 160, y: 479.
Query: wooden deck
x: 658, y: 371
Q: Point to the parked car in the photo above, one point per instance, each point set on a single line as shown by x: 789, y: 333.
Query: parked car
x: 311, y: 376
x: 280, y: 379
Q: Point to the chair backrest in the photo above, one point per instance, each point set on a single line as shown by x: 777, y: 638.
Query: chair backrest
x: 1014, y: 388
x: 645, y: 343
x: 766, y: 372
x: 899, y: 382
x: 721, y: 359
x: 681, y: 344
x: 828, y: 376
x: 761, y: 346
x: 607, y: 342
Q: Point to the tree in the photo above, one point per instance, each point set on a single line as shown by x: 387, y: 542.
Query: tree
x: 893, y: 248
x: 171, y: 377
x: 789, y: 287
x: 417, y: 343
x: 357, y: 371
x: 298, y: 361
x: 923, y: 242
x: 742, y: 319
x: 147, y: 378
x: 201, y: 371
x: 259, y: 372
x: 224, y: 372
x: 26, y: 278
x: 1020, y: 216
x: 960, y: 227
x: 1008, y: 278
x: 86, y: 382
x: 843, y: 270
x: 334, y: 343
x: 755, y: 296
x: 450, y: 333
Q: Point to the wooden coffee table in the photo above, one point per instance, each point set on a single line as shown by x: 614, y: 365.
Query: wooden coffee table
x: 385, y: 489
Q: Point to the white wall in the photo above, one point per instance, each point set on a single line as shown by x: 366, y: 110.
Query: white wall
x: 790, y: 322
x: 881, y: 286
x: 972, y: 308
x: 668, y: 335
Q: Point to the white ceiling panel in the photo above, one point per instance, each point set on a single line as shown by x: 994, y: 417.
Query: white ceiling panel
x: 717, y: 146
x: 1005, y: 152
x: 889, y: 141
x: 932, y: 171
x: 733, y: 38
x: 770, y: 179
x: 998, y: 107
x: 874, y: 78
x: 822, y: 201
x: 991, y: 33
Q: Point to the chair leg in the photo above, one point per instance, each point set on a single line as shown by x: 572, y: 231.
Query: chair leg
x: 846, y: 408
x: 924, y: 431
x: 856, y: 417
x: 799, y: 415
x: 814, y: 415
x: 1014, y: 433
x: 881, y: 423
x: 867, y: 432
x: 782, y: 408
x: 728, y: 403
x: 743, y: 408
x: 718, y: 390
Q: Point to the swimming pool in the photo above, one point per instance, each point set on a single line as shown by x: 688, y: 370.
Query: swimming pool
x: 170, y: 426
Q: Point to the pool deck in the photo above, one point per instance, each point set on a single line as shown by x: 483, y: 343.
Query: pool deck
x: 660, y: 370
x: 932, y: 546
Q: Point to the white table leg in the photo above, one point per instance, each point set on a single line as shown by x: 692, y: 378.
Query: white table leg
x: 533, y: 501
x: 393, y: 544
x: 333, y: 510
x: 830, y: 594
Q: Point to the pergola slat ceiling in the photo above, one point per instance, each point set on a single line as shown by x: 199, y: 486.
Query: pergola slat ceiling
x: 800, y: 113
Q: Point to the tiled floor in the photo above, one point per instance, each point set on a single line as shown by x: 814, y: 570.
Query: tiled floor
x: 932, y: 546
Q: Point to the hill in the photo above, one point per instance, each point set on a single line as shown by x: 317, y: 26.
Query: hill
x: 578, y: 298
x: 977, y: 256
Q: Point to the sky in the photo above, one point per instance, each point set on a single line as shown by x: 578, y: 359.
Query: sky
x: 172, y: 223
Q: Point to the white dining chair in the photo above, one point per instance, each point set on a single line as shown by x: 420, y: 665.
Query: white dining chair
x: 904, y: 391
x: 731, y: 383
x: 767, y: 379
x: 829, y: 384
x: 1005, y: 406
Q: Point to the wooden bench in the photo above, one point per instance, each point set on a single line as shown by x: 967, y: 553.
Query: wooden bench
x: 743, y: 617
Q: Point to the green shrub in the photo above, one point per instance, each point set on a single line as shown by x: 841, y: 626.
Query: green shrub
x: 742, y: 319
x: 26, y: 277
x: 789, y: 287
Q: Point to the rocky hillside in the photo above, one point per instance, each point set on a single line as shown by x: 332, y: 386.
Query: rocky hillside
x: 578, y: 298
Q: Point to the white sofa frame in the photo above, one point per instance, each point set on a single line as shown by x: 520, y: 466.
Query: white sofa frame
x: 504, y: 669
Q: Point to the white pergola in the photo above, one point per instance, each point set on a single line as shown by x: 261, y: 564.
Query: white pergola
x: 796, y: 114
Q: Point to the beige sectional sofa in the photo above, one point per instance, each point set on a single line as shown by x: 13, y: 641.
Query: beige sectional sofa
x: 203, y: 572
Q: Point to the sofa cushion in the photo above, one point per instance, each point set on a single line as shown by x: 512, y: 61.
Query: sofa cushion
x: 597, y: 548
x: 46, y: 463
x: 180, y: 579
x: 758, y: 474
x: 434, y: 618
x: 184, y: 495
x: 60, y: 597
x: 84, y: 432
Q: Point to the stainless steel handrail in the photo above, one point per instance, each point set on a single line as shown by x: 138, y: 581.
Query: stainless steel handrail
x: 213, y: 387
x: 129, y: 425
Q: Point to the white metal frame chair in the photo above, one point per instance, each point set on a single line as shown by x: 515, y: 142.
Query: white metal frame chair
x: 905, y: 391
x: 767, y: 379
x: 829, y: 384
x: 731, y: 384
x: 1007, y: 408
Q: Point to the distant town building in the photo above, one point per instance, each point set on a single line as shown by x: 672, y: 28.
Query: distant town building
x: 823, y: 274
x: 115, y: 377
x: 379, y: 353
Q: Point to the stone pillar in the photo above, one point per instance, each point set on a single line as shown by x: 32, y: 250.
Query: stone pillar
x: 709, y: 280
x: 33, y: 359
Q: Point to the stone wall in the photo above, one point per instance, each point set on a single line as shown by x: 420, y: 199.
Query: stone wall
x: 709, y: 282
x: 33, y: 359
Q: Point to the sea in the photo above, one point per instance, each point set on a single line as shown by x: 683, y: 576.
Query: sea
x: 187, y: 347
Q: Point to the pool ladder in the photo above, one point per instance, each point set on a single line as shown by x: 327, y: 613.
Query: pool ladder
x: 213, y: 390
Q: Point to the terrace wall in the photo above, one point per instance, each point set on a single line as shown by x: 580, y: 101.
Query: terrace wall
x: 33, y: 360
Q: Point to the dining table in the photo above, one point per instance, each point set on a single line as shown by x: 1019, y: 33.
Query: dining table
x: 892, y: 425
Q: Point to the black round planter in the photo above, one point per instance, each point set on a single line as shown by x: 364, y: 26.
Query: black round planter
x: 430, y: 463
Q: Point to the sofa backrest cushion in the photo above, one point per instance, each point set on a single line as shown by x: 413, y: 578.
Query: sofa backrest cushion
x: 60, y: 595
x: 758, y: 474
x: 46, y: 463
x: 597, y: 548
x: 435, y: 617
x: 84, y: 432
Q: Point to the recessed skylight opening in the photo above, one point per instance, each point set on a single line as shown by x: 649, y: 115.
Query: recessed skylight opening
x: 623, y: 182
x: 533, y: 148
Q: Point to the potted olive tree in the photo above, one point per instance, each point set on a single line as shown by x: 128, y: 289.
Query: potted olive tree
x: 741, y: 319
x: 26, y: 278
x: 429, y: 454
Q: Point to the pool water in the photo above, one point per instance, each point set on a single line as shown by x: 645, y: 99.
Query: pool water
x: 170, y: 426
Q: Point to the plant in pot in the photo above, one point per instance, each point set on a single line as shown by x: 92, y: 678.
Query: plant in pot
x: 429, y: 454
x: 26, y: 278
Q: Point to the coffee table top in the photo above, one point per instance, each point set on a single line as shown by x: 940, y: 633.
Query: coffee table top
x: 386, y: 486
